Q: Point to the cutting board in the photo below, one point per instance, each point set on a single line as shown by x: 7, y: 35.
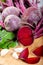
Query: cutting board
x: 9, y: 60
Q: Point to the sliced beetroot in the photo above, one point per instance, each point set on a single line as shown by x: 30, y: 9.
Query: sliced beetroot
x: 24, y: 54
x: 39, y: 51
x: 32, y: 60
x: 25, y: 36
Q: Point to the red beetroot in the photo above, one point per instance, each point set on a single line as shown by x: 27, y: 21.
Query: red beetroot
x: 24, y: 54
x: 32, y: 60
x: 25, y: 36
x: 32, y: 14
x: 38, y: 51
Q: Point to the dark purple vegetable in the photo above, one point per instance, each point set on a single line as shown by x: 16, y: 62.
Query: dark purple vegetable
x: 10, y: 11
x: 32, y: 15
x: 12, y: 22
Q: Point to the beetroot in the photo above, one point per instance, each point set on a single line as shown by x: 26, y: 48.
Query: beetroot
x: 24, y: 54
x: 25, y: 36
x: 12, y: 22
x: 32, y: 60
x: 10, y: 11
x: 39, y: 51
x: 32, y: 15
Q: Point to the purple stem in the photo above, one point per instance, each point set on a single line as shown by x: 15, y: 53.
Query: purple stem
x: 9, y: 2
x: 4, y: 5
x: 32, y: 3
x: 38, y: 26
x: 22, y: 7
x: 40, y: 31
x: 37, y: 36
x: 2, y: 24
x: 17, y: 4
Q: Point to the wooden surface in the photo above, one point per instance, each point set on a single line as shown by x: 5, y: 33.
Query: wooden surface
x: 9, y: 60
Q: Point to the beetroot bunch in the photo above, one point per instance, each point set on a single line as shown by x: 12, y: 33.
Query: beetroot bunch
x: 26, y: 18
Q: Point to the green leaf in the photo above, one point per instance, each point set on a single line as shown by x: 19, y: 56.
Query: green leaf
x: 12, y: 44
x: 9, y: 44
x: 3, y: 46
x: 5, y: 36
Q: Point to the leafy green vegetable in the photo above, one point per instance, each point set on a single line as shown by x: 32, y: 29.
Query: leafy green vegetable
x: 9, y: 44
x: 6, y: 39
x: 5, y: 45
x: 5, y: 36
x: 12, y: 44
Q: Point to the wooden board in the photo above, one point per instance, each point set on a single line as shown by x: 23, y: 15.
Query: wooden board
x: 9, y: 60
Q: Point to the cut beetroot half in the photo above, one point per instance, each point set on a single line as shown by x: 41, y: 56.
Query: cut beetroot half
x: 24, y: 54
x: 25, y: 36
x: 32, y: 60
x: 38, y: 51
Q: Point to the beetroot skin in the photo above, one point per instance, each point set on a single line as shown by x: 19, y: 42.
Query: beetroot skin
x: 25, y: 36
x: 24, y: 54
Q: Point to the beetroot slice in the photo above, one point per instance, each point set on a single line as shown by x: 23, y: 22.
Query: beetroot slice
x: 25, y: 36
x: 24, y: 54
x: 32, y: 60
x: 39, y: 51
